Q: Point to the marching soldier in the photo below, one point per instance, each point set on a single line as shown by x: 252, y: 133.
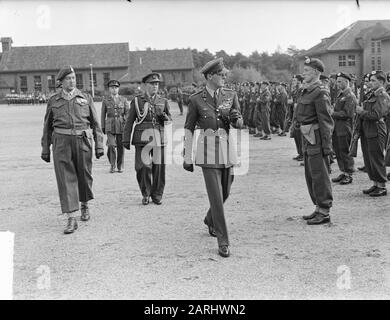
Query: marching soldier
x: 214, y: 109
x: 264, y: 108
x: 113, y: 116
x: 313, y: 114
x: 70, y: 122
x: 147, y: 115
x: 342, y: 134
x: 373, y: 133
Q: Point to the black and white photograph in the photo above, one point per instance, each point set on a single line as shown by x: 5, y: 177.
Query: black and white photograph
x: 188, y: 150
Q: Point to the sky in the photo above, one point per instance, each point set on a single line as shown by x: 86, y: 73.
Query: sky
x: 233, y: 26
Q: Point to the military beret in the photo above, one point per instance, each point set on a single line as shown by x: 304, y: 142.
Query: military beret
x: 324, y: 77
x: 257, y: 82
x: 152, y: 77
x: 367, y: 76
x: 64, y: 72
x: 245, y: 84
x: 343, y: 75
x: 388, y: 76
x: 314, y: 63
x: 252, y: 84
x: 380, y: 75
x: 265, y: 82
x: 213, y: 66
x: 113, y: 83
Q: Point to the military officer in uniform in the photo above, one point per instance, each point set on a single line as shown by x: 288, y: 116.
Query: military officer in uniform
x: 70, y: 124
x: 373, y: 133
x: 148, y: 114
x: 113, y: 117
x: 281, y: 108
x: 342, y: 134
x: 313, y: 114
x: 214, y: 109
x: 264, y: 107
x: 295, y: 130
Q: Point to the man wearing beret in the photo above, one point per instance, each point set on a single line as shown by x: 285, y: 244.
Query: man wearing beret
x: 148, y: 114
x: 313, y: 114
x: 342, y: 134
x: 333, y: 88
x: 70, y: 123
x: 281, y: 108
x: 264, y: 109
x: 374, y: 132
x: 113, y: 116
x: 214, y: 109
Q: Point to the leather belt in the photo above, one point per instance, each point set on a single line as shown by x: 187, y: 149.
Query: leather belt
x: 71, y: 132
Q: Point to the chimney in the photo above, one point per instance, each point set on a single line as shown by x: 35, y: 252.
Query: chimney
x: 6, y: 43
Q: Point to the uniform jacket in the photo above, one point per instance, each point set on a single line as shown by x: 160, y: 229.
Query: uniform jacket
x: 313, y: 107
x: 158, y: 113
x: 375, y: 110
x: 114, y: 113
x: 264, y: 99
x: 343, y: 113
x: 281, y: 98
x: 79, y: 113
x: 214, y: 146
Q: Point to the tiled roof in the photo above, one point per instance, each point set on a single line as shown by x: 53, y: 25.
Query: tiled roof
x: 105, y: 55
x: 143, y: 62
x: 345, y: 39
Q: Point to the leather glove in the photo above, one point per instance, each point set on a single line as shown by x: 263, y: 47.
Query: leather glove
x: 99, y: 153
x: 126, y: 145
x: 104, y: 130
x: 45, y: 157
x: 188, y: 166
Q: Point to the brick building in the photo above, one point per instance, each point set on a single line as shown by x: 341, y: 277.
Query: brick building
x: 33, y: 69
x: 359, y: 48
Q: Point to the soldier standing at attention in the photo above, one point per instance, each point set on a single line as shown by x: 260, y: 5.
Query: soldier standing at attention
x: 113, y: 116
x: 295, y: 130
x: 180, y: 99
x: 342, y: 134
x: 148, y: 114
x: 214, y: 109
x: 264, y: 108
x: 373, y: 133
x: 70, y: 117
x: 281, y: 108
x: 313, y: 114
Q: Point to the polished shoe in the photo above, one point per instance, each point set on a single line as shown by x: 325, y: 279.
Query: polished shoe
x: 224, y: 251
x: 265, y: 138
x: 156, y: 201
x: 378, y: 192
x: 319, y: 219
x: 72, y: 226
x: 339, y: 178
x: 211, y: 229
x: 120, y: 170
x: 112, y: 170
x: 145, y: 201
x: 258, y: 135
x: 362, y: 169
x: 282, y: 134
x: 85, y: 213
x: 310, y: 216
x: 346, y: 180
x: 368, y: 191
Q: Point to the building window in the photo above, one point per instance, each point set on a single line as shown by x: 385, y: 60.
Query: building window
x: 373, y: 63
x: 38, y: 83
x: 351, y: 60
x: 79, y: 81
x: 379, y: 63
x: 94, y: 80
x: 51, y: 82
x: 23, y: 83
x: 378, y: 47
x: 106, y: 78
x: 373, y: 47
x: 183, y: 77
x: 342, y: 61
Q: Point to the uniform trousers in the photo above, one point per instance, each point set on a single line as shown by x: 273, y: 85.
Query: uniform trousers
x: 115, y: 152
x: 218, y: 183
x: 341, y: 146
x: 72, y: 157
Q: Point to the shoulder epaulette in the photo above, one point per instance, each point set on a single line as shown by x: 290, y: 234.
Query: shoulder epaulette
x: 195, y: 93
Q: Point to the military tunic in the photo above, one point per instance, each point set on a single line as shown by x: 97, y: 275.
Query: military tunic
x: 215, y: 152
x: 344, y: 109
x: 113, y: 117
x: 281, y: 109
x: 295, y: 128
x: 67, y: 126
x: 147, y: 116
x: 264, y: 110
x: 313, y: 114
x: 374, y: 134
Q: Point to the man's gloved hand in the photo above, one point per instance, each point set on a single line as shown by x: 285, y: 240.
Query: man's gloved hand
x: 188, y: 166
x: 99, y: 153
x: 126, y: 145
x: 45, y: 157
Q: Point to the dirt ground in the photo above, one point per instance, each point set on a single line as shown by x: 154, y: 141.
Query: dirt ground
x: 130, y: 251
